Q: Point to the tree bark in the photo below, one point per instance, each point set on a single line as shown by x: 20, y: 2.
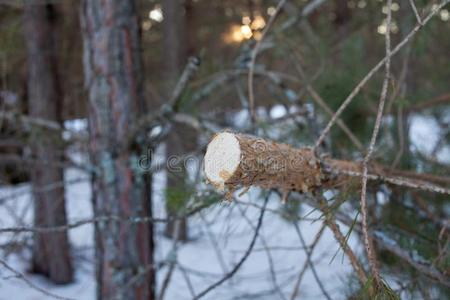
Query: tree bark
x: 237, y: 160
x: 51, y: 251
x: 113, y: 80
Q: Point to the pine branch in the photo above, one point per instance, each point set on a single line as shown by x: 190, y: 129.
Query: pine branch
x: 235, y: 160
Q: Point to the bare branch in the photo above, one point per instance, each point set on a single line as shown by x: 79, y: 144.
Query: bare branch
x: 367, y: 240
x: 331, y: 223
x: 395, y: 180
x: 100, y: 219
x: 254, y: 53
x: 242, y: 260
x: 171, y: 107
x: 255, y: 161
x: 440, y: 100
x: 30, y: 283
x: 416, y: 13
x: 30, y: 121
x: 309, y: 261
x: 186, y: 76
x: 306, y: 11
x: 412, y: 259
x: 316, y: 97
x: 269, y: 255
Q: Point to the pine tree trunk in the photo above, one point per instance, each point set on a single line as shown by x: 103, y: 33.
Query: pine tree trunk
x: 51, y: 251
x: 112, y: 64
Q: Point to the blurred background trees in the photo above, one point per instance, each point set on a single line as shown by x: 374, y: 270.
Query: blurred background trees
x: 51, y: 252
x: 97, y: 88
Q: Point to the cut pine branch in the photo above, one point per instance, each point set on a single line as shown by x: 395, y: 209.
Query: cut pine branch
x: 235, y: 160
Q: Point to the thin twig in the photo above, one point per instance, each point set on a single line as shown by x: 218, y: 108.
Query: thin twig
x: 189, y: 71
x: 137, y: 278
x: 187, y: 279
x: 306, y: 11
x: 254, y: 53
x: 269, y: 255
x: 395, y: 180
x: 372, y: 72
x: 309, y: 260
x: 43, y: 189
x: 318, y: 99
x: 214, y: 243
x: 421, y: 105
x: 306, y: 264
x: 171, y: 106
x: 172, y: 261
x: 367, y: 239
x: 29, y: 122
x: 331, y: 223
x: 348, y: 251
x: 30, y: 283
x: 112, y: 218
x: 413, y: 5
x: 412, y: 259
x: 241, y: 261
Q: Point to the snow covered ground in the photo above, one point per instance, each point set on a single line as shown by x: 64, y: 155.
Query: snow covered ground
x: 224, y: 223
x: 221, y: 235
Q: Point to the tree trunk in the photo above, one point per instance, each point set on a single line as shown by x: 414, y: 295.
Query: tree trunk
x: 178, y: 44
x: 51, y: 251
x: 112, y: 65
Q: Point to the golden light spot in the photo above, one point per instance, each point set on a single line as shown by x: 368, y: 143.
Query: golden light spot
x: 146, y: 25
x: 246, y: 20
x: 234, y: 35
x: 258, y: 23
x: 246, y: 31
x: 257, y: 35
x: 239, y: 33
